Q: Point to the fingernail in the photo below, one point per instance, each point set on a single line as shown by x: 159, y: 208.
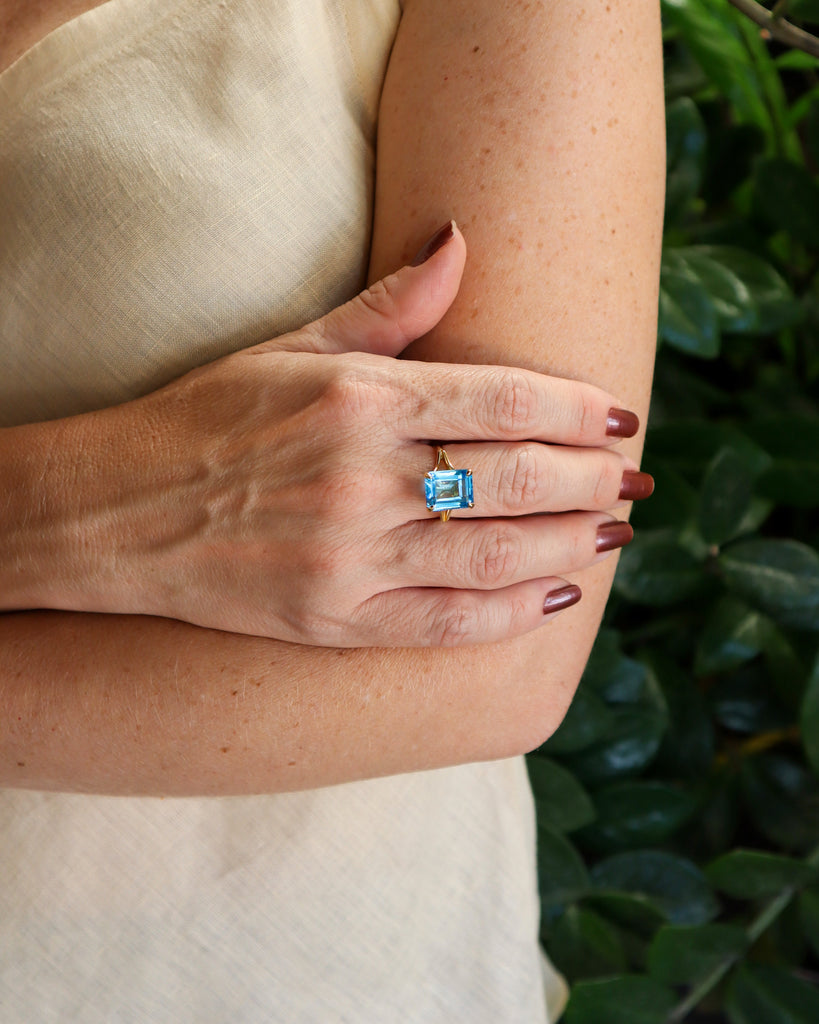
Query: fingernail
x: 438, y: 241
x: 622, y: 423
x: 613, y: 535
x: 563, y: 597
x: 636, y: 486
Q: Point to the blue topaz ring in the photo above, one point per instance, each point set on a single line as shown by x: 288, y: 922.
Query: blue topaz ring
x: 447, y: 488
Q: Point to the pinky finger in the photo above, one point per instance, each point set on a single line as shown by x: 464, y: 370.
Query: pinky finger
x: 438, y: 617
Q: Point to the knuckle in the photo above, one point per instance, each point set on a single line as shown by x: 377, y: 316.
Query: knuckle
x: 458, y: 622
x: 352, y: 394
x: 514, y: 404
x: 523, y: 485
x: 496, y: 559
x: 586, y: 414
x: 381, y: 298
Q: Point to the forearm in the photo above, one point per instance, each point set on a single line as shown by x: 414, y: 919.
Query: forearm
x: 139, y: 705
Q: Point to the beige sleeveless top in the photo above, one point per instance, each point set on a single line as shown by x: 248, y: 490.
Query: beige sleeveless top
x: 180, y: 178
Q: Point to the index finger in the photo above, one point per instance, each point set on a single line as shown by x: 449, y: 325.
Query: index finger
x: 501, y: 403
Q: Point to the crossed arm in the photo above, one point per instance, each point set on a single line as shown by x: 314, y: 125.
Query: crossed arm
x: 538, y: 126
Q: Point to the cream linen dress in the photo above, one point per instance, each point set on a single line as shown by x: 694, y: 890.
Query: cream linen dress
x: 178, y: 179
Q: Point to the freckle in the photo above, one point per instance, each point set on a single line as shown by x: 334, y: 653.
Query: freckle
x: 233, y: 693
x: 481, y: 188
x: 291, y: 764
x: 225, y: 749
x: 614, y: 231
x: 574, y: 94
x: 485, y: 150
x: 258, y: 683
x: 518, y: 290
x: 21, y: 764
x: 594, y: 130
x: 476, y: 49
x: 519, y: 165
x: 473, y: 314
x: 540, y: 245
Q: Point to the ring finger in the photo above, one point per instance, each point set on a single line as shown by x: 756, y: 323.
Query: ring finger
x: 518, y: 479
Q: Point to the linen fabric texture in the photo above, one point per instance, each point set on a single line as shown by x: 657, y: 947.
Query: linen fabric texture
x: 179, y: 179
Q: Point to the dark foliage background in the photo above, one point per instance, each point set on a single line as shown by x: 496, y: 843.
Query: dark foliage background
x: 679, y: 801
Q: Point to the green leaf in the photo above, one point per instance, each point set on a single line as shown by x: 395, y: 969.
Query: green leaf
x: 640, y: 813
x: 687, y: 316
x: 634, y: 912
x: 562, y: 874
x: 770, y: 299
x: 744, y: 702
x: 587, y: 721
x: 616, y: 678
x: 760, y: 994
x: 729, y: 639
x: 654, y: 570
x: 630, y: 744
x: 809, y: 916
x: 674, y: 883
x: 628, y: 999
x: 781, y: 577
x: 755, y: 874
x: 562, y: 803
x: 792, y: 482
x: 789, y: 198
x: 781, y: 798
x: 685, y: 144
x: 682, y: 954
x: 809, y: 719
x: 725, y: 497
x: 714, y: 41
x: 687, y: 749
x: 583, y: 944
x: 732, y: 299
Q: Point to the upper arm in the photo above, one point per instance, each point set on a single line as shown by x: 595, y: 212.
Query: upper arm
x: 539, y: 127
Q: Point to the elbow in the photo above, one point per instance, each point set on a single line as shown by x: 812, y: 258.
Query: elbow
x: 533, y: 693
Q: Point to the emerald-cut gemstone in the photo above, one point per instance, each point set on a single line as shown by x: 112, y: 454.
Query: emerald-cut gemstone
x: 447, y: 489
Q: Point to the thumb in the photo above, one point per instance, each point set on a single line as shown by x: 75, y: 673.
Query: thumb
x: 392, y: 312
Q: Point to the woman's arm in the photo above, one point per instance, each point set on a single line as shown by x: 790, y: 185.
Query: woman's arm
x: 540, y: 128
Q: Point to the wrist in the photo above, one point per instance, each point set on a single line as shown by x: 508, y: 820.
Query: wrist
x: 70, y: 537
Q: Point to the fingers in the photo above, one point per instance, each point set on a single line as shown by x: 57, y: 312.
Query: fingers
x: 497, y: 553
x: 456, y: 618
x: 510, y: 404
x: 392, y: 312
x: 531, y: 478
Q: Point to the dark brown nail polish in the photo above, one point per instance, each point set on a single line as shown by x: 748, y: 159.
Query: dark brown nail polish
x: 622, y: 423
x: 438, y: 241
x: 562, y: 597
x: 636, y: 486
x: 611, y: 536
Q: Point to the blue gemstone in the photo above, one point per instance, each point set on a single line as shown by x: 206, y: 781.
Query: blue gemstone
x: 448, y: 489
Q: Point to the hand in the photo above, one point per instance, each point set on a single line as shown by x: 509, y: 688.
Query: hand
x: 281, y: 493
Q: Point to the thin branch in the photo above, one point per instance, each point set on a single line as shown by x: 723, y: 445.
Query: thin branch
x: 779, y: 29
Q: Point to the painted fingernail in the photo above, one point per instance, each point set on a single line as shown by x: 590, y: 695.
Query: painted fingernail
x: 562, y: 597
x: 438, y: 241
x: 611, y: 536
x: 636, y: 486
x: 622, y: 423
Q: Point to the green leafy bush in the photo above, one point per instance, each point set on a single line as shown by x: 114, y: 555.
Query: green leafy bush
x: 678, y: 803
